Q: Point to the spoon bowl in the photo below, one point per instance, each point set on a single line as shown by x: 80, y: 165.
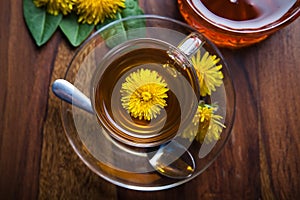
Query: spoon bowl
x: 163, y: 161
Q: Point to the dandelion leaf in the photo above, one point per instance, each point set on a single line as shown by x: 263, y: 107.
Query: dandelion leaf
x: 74, y: 31
x: 120, y: 32
x: 40, y: 24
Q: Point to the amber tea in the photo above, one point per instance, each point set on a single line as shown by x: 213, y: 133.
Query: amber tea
x: 130, y: 72
x: 236, y: 23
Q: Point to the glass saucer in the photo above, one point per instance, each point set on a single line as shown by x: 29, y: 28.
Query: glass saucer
x: 116, y: 162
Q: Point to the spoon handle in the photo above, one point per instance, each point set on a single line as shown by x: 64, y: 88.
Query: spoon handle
x: 68, y: 92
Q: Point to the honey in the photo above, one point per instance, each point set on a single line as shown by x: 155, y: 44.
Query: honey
x: 238, y: 23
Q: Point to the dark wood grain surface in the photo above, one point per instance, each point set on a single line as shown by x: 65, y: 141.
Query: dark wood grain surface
x: 260, y: 161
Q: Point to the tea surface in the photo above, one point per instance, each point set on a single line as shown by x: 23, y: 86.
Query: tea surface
x: 180, y: 101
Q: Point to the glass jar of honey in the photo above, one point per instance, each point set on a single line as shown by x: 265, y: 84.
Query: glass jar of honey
x: 238, y: 23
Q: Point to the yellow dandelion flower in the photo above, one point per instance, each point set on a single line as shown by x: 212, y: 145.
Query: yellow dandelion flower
x: 206, y: 125
x: 143, y: 94
x: 95, y: 11
x: 208, y: 72
x: 210, y: 126
x: 55, y: 7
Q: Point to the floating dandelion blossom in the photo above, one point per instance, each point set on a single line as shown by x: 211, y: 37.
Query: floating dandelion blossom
x: 95, y: 11
x: 55, y: 7
x: 206, y: 126
x: 208, y: 72
x: 144, y: 93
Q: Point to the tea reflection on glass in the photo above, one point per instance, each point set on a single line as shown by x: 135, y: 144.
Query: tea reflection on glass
x: 238, y: 23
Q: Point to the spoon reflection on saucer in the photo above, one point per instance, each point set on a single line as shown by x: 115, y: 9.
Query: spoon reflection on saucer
x: 171, y: 160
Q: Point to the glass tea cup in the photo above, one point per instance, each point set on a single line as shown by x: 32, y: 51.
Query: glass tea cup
x: 113, y: 143
x: 122, y: 76
x: 238, y: 23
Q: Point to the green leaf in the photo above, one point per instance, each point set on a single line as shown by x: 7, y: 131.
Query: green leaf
x: 119, y: 32
x: 74, y: 31
x: 132, y: 8
x: 41, y: 24
x: 115, y: 34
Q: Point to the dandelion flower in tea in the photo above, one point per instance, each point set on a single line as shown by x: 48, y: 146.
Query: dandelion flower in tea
x: 144, y: 93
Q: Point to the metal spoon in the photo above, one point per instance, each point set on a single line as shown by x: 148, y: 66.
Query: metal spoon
x: 165, y: 160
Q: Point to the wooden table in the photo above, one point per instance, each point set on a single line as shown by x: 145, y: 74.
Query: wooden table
x: 261, y: 159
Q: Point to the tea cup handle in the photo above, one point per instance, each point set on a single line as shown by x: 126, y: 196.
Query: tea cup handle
x: 186, y: 49
x: 191, y: 44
